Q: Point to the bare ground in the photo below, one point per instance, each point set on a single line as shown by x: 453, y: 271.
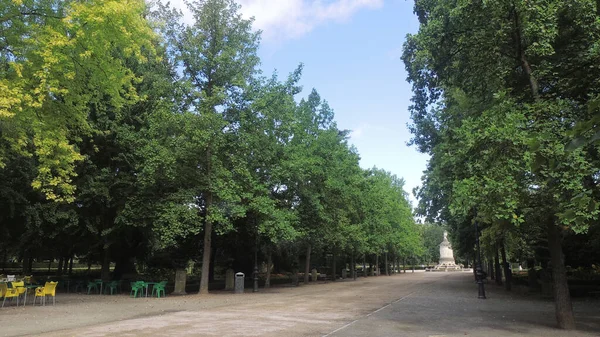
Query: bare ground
x: 419, y: 304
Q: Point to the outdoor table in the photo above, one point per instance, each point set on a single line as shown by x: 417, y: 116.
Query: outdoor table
x: 27, y: 287
x: 149, y: 284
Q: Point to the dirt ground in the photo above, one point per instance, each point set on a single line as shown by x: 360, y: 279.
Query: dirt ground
x: 411, y: 304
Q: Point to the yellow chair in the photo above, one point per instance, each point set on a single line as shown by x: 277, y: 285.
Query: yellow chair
x: 9, y: 292
x: 49, y: 289
x: 3, y: 288
x: 20, y: 286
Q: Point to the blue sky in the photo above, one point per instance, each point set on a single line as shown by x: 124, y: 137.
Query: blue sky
x: 351, y: 54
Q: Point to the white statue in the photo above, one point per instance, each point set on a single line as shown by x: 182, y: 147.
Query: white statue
x: 446, y: 255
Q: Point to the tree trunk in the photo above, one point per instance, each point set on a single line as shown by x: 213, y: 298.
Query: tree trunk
x: 25, y: 262
x: 4, y: 260
x: 517, y: 35
x: 124, y: 265
x: 497, y: 267
x: 49, y: 265
x: 531, y: 276
x: 268, y: 277
x: 60, y: 266
x: 562, y: 297
x: 377, y: 273
x: 71, y: 265
x: 206, y: 250
x: 333, y: 267
x: 307, y: 266
x: 364, y: 265
x: 105, y: 271
x: 211, y: 265
x: 387, y: 267
x: 507, y: 271
x: 491, y: 269
x: 353, y: 267
x: 404, y: 265
x: 296, y: 271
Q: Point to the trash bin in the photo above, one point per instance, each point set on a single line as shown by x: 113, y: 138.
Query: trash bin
x: 239, y: 283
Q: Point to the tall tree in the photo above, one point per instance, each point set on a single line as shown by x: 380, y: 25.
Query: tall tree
x: 521, y: 61
x: 217, y: 54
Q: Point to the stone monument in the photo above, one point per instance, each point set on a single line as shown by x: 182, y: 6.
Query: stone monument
x: 446, y: 256
x: 180, y: 281
x: 229, y: 279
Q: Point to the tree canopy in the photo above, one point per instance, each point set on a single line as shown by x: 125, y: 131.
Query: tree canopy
x: 128, y: 136
x: 500, y: 89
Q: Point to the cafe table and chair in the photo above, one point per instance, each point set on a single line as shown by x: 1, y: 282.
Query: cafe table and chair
x: 111, y: 287
x: 8, y: 291
x: 137, y: 286
x: 49, y: 289
x: 148, y: 284
x: 95, y: 285
x: 13, y: 289
x: 28, y: 288
x: 159, y: 288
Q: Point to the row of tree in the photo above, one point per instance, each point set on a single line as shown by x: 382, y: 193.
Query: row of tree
x: 505, y: 101
x: 126, y: 135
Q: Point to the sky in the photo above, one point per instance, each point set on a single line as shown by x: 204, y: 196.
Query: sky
x: 351, y: 54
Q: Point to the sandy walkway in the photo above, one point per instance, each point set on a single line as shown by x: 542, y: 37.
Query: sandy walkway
x: 304, y: 311
x: 314, y: 310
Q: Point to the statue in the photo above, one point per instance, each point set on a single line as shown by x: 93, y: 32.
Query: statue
x: 446, y: 256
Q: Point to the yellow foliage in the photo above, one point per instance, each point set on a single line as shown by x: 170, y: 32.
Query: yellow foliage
x: 73, y: 59
x: 10, y: 98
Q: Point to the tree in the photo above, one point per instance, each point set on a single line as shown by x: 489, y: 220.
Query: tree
x: 57, y: 60
x: 517, y: 60
x: 218, y: 57
x: 432, y: 235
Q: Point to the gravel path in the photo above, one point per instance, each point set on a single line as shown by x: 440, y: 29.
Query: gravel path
x: 411, y: 304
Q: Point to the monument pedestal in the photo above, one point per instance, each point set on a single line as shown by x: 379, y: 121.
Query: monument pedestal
x: 180, y: 281
x: 446, y: 262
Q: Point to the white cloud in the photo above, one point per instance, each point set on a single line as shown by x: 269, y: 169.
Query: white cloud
x: 357, y: 133
x: 364, y: 128
x: 289, y: 19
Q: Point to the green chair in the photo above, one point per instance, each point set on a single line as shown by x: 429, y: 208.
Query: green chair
x: 135, y: 287
x: 112, y: 286
x: 158, y: 288
x: 92, y: 285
